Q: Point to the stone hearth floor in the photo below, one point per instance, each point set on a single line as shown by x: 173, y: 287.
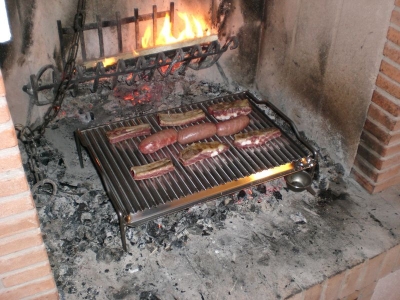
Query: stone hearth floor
x: 268, y: 243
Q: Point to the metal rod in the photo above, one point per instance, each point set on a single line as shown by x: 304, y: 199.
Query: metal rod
x: 137, y: 28
x: 119, y: 31
x: 154, y: 24
x: 60, y: 36
x: 100, y: 32
x: 78, y: 149
x: 172, y: 16
x: 83, y: 47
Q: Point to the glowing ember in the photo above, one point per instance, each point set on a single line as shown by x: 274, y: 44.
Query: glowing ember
x: 193, y: 28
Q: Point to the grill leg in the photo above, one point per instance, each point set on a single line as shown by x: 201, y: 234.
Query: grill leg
x: 122, y: 228
x: 78, y: 148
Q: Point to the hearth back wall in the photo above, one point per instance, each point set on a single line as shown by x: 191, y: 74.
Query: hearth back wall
x: 319, y: 61
x: 35, y: 40
x: 24, y: 265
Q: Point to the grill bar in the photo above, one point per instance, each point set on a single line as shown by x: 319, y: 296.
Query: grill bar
x: 141, y: 201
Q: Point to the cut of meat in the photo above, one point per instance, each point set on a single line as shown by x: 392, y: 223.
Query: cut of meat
x: 200, y: 151
x: 196, y: 133
x: 179, y: 119
x: 227, y: 110
x: 153, y: 169
x: 232, y: 126
x: 158, y: 140
x: 256, y: 137
x: 123, y: 133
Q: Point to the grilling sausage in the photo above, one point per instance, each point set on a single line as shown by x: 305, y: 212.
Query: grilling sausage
x: 232, y: 126
x: 196, y: 133
x: 158, y: 140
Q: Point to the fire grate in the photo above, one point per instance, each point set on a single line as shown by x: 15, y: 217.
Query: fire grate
x: 137, y: 202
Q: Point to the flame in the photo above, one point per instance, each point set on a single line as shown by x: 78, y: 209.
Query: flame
x: 109, y: 61
x: 146, y: 39
x: 194, y: 27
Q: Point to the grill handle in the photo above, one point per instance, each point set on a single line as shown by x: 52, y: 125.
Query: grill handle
x: 289, y: 121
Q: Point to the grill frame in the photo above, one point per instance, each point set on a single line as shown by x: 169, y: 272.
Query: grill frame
x: 137, y: 202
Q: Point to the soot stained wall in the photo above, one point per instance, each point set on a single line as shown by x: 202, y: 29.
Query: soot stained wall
x: 318, y: 63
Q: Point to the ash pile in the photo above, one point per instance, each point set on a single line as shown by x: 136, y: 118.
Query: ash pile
x: 78, y: 217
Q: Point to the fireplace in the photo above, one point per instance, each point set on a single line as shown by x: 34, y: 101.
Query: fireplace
x: 333, y: 84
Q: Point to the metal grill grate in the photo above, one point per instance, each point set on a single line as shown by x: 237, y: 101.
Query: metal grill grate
x: 140, y: 201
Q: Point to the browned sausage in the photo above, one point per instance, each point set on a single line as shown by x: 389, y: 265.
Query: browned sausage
x: 196, y: 133
x: 232, y: 126
x: 158, y: 140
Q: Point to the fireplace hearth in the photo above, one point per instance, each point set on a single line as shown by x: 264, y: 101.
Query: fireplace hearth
x: 320, y: 63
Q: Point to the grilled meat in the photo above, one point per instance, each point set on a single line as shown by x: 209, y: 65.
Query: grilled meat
x: 153, y: 169
x: 199, y: 151
x: 179, y: 119
x: 232, y: 126
x: 158, y: 140
x: 196, y: 133
x: 256, y: 137
x: 227, y: 110
x: 123, y: 133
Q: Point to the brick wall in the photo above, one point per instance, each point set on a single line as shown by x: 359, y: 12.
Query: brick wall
x: 377, y: 164
x: 24, y: 265
x: 355, y: 283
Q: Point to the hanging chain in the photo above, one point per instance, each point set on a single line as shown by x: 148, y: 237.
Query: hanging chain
x: 68, y: 72
x: 30, y: 136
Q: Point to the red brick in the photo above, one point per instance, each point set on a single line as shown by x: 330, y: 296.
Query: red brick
x: 373, y: 267
x: 395, y: 18
x: 381, y: 133
x: 13, y: 186
x: 15, y: 205
x: 391, y: 52
x: 396, y: 264
x: 391, y: 257
x: 352, y: 296
x: 374, y: 174
x: 387, y: 104
x: 27, y: 275
x: 19, y: 223
x: 376, y: 160
x: 379, y: 115
x: 362, y: 180
x: 372, y: 187
x: 333, y: 286
x: 390, y: 70
x: 351, y: 281
x: 393, y: 35
x: 366, y: 292
x: 299, y: 296
x: 4, y: 112
x: 20, y: 242
x: 386, y: 184
x: 13, y: 161
x: 22, y: 259
x: 28, y: 289
x: 8, y: 138
x: 313, y: 293
x: 53, y: 295
x: 377, y: 146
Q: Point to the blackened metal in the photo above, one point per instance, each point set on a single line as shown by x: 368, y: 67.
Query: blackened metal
x: 100, y: 33
x: 195, y: 57
x: 119, y: 31
x: 137, y: 202
x: 172, y: 16
x: 137, y: 43
x: 60, y: 37
x: 154, y: 24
